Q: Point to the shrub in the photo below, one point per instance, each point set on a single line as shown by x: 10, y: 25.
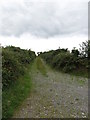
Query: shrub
x: 63, y: 60
x: 14, y: 61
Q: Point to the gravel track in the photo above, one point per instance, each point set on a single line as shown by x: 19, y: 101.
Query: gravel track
x: 56, y: 95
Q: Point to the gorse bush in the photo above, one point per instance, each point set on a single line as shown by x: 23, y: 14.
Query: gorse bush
x: 66, y: 61
x: 63, y: 61
x: 14, y: 61
x: 11, y: 68
x: 16, y: 80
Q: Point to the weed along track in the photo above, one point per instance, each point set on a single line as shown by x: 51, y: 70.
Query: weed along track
x: 41, y: 66
x: 54, y: 95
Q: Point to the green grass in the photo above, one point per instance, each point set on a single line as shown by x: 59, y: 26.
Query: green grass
x: 41, y: 66
x: 79, y: 73
x: 15, y: 95
x: 82, y: 73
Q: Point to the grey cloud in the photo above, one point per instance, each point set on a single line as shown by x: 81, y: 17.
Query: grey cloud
x: 43, y: 19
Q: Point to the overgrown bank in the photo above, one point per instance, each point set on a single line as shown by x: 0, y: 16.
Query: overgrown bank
x: 16, y: 79
x: 74, y: 62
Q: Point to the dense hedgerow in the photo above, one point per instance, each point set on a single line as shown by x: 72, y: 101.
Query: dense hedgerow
x: 14, y: 61
x: 66, y: 61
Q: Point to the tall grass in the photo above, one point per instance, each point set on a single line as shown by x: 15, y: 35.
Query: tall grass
x: 14, y: 96
x: 41, y: 66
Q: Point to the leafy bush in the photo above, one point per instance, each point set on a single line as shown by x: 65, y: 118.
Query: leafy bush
x: 10, y: 67
x: 14, y: 61
x: 63, y: 60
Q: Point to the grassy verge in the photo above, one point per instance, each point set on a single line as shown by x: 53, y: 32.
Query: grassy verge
x: 14, y: 96
x: 41, y: 66
x: 79, y: 73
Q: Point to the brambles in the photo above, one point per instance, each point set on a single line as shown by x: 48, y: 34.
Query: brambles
x: 15, y: 77
x: 14, y: 61
x: 66, y: 61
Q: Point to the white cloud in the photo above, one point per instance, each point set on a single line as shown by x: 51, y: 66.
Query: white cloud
x: 43, y: 19
x: 43, y: 24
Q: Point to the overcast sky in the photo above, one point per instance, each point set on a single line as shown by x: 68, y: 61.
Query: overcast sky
x: 43, y: 24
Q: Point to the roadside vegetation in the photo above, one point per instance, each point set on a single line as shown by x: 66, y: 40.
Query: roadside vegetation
x: 16, y: 67
x: 40, y: 66
x: 16, y: 81
x: 74, y: 62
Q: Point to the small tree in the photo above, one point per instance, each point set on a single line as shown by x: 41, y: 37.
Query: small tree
x: 75, y: 52
x: 85, y: 49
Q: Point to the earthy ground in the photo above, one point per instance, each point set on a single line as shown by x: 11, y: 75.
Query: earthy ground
x: 55, y: 95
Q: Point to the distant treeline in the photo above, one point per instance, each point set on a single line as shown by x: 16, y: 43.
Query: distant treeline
x: 14, y: 61
x: 75, y: 61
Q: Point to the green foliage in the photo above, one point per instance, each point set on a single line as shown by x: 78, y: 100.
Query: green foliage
x: 75, y: 52
x: 11, y: 68
x: 40, y: 66
x: 15, y: 94
x: 85, y: 48
x: 14, y: 61
x: 63, y: 60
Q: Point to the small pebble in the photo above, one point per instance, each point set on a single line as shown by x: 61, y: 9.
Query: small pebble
x: 82, y: 113
x: 23, y: 109
x: 84, y: 116
x: 46, y: 114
